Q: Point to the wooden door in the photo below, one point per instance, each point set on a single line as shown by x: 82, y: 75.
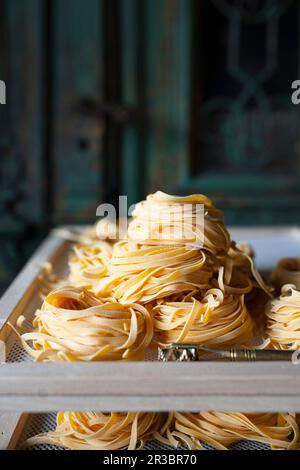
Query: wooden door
x: 109, y: 97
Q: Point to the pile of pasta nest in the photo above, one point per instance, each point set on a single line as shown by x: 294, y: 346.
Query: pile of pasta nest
x: 158, y: 286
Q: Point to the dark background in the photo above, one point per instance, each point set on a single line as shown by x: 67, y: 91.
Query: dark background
x: 108, y: 97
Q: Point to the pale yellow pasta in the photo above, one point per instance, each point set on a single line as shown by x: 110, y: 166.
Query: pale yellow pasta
x: 240, y: 272
x: 106, y: 229
x: 283, y: 319
x: 89, y: 263
x: 162, y: 218
x: 214, y: 320
x: 101, y: 431
x: 111, y: 229
x: 165, y: 219
x: 73, y: 325
x: 139, y: 273
x: 287, y: 271
x: 176, y: 278
x: 221, y: 429
x: 50, y: 281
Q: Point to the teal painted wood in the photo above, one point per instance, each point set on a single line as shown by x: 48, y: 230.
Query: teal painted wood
x: 168, y: 86
x: 132, y: 56
x: 248, y: 187
x: 244, y: 185
x: 168, y: 91
x: 77, y: 139
x: 22, y: 180
x: 26, y: 25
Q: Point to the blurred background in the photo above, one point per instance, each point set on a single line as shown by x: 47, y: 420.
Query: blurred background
x: 109, y: 97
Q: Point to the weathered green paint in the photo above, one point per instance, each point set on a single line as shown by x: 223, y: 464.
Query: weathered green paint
x: 77, y: 35
x: 168, y: 81
x: 249, y: 185
x: 26, y: 23
x: 22, y: 178
x: 132, y: 41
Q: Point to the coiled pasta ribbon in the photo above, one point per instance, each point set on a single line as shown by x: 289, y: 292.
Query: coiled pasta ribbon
x: 162, y: 217
x: 101, y: 431
x: 141, y: 274
x: 50, y: 281
x: 283, y: 319
x: 73, y: 325
x: 220, y: 429
x: 287, y: 271
x: 240, y: 272
x: 214, y: 320
x: 89, y: 263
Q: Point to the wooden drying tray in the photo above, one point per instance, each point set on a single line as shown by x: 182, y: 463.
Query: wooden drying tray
x: 131, y: 386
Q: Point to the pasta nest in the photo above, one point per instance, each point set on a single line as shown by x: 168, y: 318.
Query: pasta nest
x: 283, y: 319
x: 190, y: 219
x: 287, y: 271
x: 101, y: 431
x: 74, y: 325
x: 141, y: 273
x: 216, y: 319
x: 221, y: 429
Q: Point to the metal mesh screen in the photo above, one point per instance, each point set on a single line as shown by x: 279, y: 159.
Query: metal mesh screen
x: 40, y: 423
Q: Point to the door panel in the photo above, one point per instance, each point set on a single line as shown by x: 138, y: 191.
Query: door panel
x: 112, y: 97
x: 217, y: 82
x: 77, y: 138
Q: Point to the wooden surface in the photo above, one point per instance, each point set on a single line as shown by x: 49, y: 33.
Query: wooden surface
x: 149, y: 386
x: 11, y: 427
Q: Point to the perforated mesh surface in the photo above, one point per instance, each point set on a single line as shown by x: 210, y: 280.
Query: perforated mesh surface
x: 16, y: 353
x: 40, y: 423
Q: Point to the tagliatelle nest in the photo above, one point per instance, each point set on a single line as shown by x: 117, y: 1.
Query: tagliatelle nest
x: 287, y: 271
x: 214, y: 320
x: 189, y: 219
x: 73, y: 325
x: 139, y: 273
x: 101, y: 431
x: 283, y: 319
x: 221, y: 429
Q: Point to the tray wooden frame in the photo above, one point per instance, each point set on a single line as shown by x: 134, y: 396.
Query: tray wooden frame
x: 121, y: 386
